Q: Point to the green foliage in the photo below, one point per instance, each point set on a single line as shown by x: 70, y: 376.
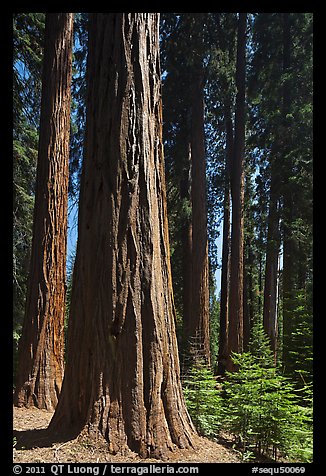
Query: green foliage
x: 266, y: 411
x: 78, y: 106
x: 204, y: 401
x: 70, y: 272
x: 28, y: 29
x: 263, y: 409
x: 256, y: 404
x: 214, y: 315
x: 301, y: 448
x: 259, y: 346
x: 299, y: 364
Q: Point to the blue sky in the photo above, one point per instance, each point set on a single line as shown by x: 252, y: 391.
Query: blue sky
x: 72, y: 230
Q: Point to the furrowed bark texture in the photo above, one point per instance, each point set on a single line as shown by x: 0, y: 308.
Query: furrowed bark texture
x: 122, y: 375
x: 40, y: 367
x: 235, y: 337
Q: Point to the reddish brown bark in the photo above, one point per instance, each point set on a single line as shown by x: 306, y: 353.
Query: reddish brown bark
x: 122, y: 375
x: 40, y: 367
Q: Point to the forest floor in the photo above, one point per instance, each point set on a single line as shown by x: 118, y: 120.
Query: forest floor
x: 31, y: 445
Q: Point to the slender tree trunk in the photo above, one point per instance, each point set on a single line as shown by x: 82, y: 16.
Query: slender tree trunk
x: 235, y: 335
x: 40, y: 368
x: 250, y: 301
x: 185, y: 193
x: 260, y: 303
x: 248, y: 295
x: 200, y: 280
x: 289, y: 249
x: 224, y: 304
x: 122, y: 375
x: 271, y: 269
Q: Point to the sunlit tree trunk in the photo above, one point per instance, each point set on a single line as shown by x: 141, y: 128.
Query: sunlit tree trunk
x: 40, y: 367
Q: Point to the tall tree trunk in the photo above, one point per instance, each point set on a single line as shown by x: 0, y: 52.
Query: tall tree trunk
x: 122, y: 375
x: 199, y: 326
x: 271, y: 269
x: 235, y: 336
x: 289, y: 249
x: 248, y: 294
x: 260, y: 303
x: 224, y: 304
x: 185, y: 194
x: 40, y: 368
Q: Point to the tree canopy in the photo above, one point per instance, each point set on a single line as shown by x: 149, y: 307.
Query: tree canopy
x: 228, y: 100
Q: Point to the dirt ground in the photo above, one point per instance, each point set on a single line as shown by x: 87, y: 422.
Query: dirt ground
x: 32, y: 445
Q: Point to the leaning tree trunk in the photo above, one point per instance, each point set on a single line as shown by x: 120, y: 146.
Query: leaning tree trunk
x: 122, y: 376
x: 40, y: 367
x: 235, y: 334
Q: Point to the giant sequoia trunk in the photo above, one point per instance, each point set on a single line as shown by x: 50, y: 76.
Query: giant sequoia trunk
x: 122, y: 375
x: 235, y: 334
x: 40, y: 367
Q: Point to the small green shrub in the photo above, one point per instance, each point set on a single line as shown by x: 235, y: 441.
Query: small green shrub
x: 262, y: 408
x: 203, y: 399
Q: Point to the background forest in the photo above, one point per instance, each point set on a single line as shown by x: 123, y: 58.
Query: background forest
x: 237, y: 132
